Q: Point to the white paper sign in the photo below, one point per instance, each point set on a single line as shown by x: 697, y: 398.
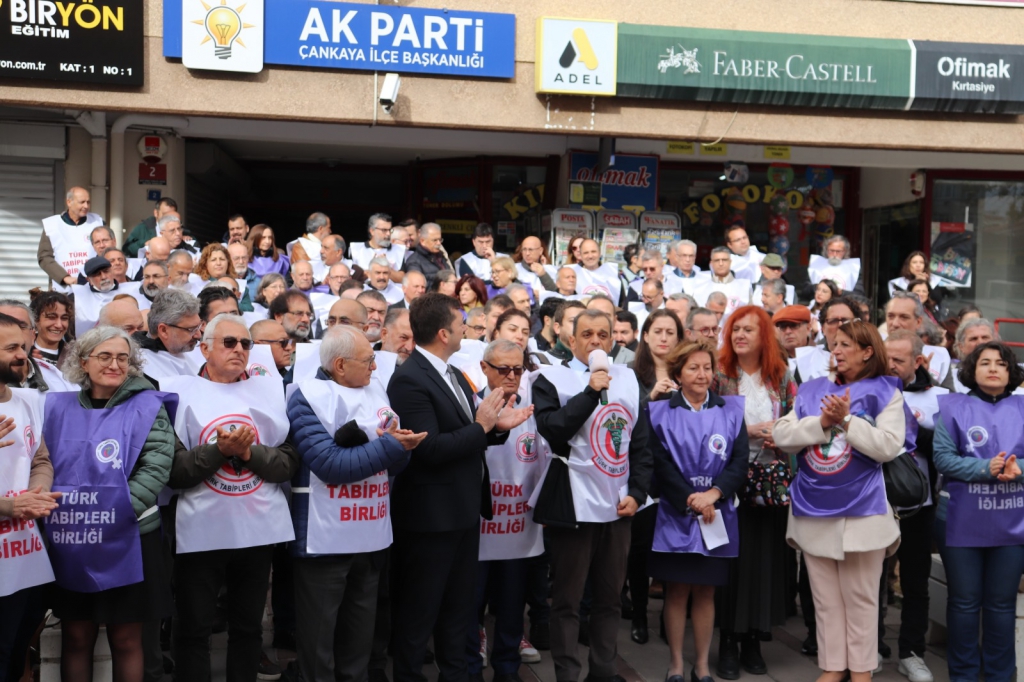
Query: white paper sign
x: 714, y: 533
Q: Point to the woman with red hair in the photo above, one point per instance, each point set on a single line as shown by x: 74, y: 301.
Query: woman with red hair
x: 753, y: 364
x: 471, y: 292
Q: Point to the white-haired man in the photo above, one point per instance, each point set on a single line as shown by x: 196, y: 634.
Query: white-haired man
x: 378, y: 278
x: 65, y: 244
x: 348, y: 439
x: 379, y: 245
x: 835, y: 264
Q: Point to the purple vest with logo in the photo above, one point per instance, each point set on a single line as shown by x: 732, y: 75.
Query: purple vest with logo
x: 835, y: 480
x: 700, y: 444
x: 93, y: 534
x: 991, y: 513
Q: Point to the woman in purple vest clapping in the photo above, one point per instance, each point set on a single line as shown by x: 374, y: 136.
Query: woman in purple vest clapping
x: 845, y: 426
x: 700, y: 459
x: 979, y: 524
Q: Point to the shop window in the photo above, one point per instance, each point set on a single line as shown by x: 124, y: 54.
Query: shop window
x: 696, y: 195
x: 517, y: 198
x: 976, y: 243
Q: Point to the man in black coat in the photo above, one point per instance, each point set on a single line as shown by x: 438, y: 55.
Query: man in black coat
x: 438, y: 500
x: 428, y: 257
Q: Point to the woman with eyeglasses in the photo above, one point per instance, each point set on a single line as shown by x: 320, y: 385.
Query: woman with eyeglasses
x: 979, y: 521
x: 111, y: 445
x: 266, y: 256
x: 700, y: 450
x: 844, y: 427
x: 662, y: 332
x: 504, y: 275
x: 230, y: 459
x: 813, y: 362
x: 752, y: 364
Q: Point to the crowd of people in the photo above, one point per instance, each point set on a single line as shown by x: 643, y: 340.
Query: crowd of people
x: 392, y: 445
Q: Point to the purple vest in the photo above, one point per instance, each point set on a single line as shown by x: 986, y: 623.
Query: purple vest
x: 989, y: 514
x: 263, y: 265
x: 700, y: 444
x: 93, y: 534
x: 835, y: 480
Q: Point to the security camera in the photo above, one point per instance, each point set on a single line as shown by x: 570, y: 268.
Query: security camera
x: 389, y: 91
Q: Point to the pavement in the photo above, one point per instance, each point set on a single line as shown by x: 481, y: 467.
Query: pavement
x: 649, y: 662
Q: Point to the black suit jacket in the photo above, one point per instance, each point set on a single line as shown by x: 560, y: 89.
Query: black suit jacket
x: 401, y: 305
x: 446, y: 485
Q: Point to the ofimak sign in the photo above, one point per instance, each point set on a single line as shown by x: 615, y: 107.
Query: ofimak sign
x: 340, y: 35
x: 667, y: 62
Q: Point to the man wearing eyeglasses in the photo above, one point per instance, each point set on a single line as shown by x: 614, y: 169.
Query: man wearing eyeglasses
x: 509, y: 538
x: 100, y: 290
x: 379, y: 245
x: 376, y: 310
x: 174, y: 329
x: 293, y: 310
x: 793, y: 329
x: 904, y: 311
x: 745, y: 257
x: 229, y: 461
x: 271, y: 333
x: 591, y: 416
x: 814, y: 361
x: 702, y: 323
x: 835, y: 264
x: 428, y: 257
x: 735, y: 288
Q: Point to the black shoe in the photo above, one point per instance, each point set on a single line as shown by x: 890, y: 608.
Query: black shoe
x: 428, y: 656
x: 540, y: 636
x: 284, y: 640
x: 292, y: 673
x: 674, y: 678
x: 584, y: 637
x: 884, y: 649
x: 728, y: 667
x: 378, y: 675
x: 627, y: 606
x: 694, y: 678
x: 750, y: 655
x: 595, y: 678
x: 268, y: 670
x: 507, y: 677
x: 638, y: 633
x: 810, y: 645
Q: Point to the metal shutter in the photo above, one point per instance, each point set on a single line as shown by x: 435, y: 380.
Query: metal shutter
x: 26, y: 197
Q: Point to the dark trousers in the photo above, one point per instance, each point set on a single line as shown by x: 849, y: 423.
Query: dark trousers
x: 502, y: 584
x: 538, y: 586
x: 282, y: 596
x: 641, y: 541
x: 152, y: 649
x: 382, y: 624
x: 199, y: 577
x: 982, y: 585
x: 915, y: 555
x: 335, y: 600
x: 22, y: 613
x: 600, y: 550
x: 435, y: 592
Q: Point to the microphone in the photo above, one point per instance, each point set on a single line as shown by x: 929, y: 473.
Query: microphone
x: 598, y: 361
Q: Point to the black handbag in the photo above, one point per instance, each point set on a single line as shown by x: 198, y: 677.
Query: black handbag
x: 554, y: 502
x: 906, y: 486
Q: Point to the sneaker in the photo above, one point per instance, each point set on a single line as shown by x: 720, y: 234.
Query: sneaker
x: 483, y: 645
x: 915, y: 670
x: 268, y: 669
x: 529, y: 654
x: 878, y: 670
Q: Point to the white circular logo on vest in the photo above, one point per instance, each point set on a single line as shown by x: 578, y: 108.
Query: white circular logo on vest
x: 595, y: 289
x: 29, y: 437
x: 226, y: 480
x: 609, y: 439
x: 977, y: 436
x: 526, y: 448
x: 832, y: 457
x: 385, y: 415
x: 716, y: 444
x: 107, y: 452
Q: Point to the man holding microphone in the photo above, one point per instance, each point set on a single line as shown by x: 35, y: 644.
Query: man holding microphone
x: 589, y: 412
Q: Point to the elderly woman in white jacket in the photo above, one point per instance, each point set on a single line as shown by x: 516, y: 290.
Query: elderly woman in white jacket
x: 845, y: 426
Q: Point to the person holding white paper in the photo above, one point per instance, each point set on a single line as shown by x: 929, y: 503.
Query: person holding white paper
x: 700, y: 449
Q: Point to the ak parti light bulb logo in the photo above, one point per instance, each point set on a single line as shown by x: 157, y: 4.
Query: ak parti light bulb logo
x: 223, y: 26
x: 578, y: 49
